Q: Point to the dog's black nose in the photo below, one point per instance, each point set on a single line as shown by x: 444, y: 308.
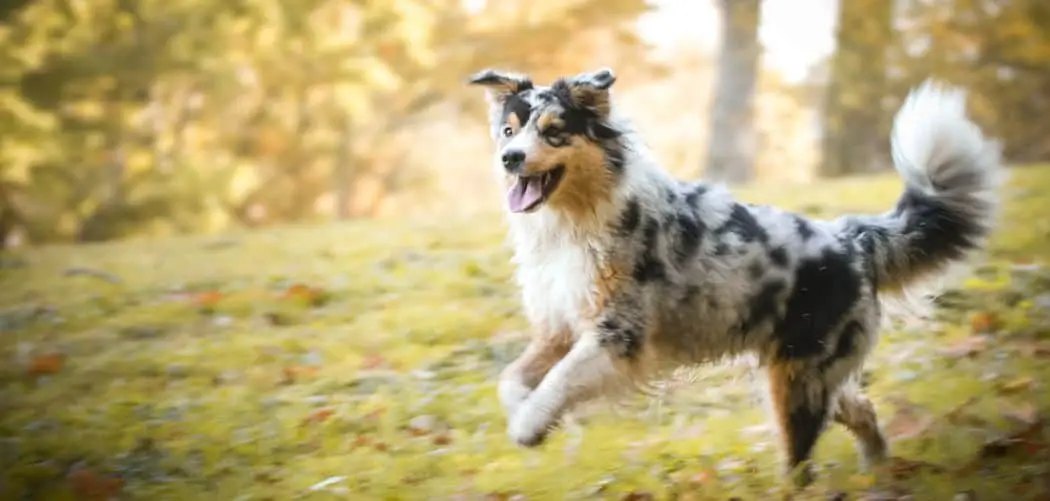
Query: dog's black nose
x: 513, y: 159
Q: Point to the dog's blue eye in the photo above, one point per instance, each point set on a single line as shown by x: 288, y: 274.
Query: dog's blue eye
x: 508, y: 131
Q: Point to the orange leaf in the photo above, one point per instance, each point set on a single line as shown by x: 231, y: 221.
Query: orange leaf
x: 373, y: 362
x: 90, y: 486
x: 206, y: 301
x: 310, y: 295
x: 442, y: 439
x: 319, y: 416
x: 984, y: 322
x: 292, y: 373
x: 50, y: 363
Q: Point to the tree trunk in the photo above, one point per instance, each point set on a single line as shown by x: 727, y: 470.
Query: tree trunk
x: 732, y: 144
x: 341, y: 174
x: 856, y: 128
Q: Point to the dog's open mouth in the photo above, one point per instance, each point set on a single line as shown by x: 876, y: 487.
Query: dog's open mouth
x: 529, y: 192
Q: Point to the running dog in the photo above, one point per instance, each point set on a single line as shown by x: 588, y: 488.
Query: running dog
x: 626, y: 272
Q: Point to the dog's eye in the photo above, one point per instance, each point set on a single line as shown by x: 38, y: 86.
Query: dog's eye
x: 507, y: 131
x: 552, y: 131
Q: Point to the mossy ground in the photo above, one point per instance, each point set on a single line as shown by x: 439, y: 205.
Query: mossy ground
x: 358, y: 361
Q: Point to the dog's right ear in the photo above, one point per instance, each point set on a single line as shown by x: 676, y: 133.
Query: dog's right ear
x: 499, y: 85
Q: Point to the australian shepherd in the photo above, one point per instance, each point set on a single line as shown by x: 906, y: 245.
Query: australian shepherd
x: 626, y: 272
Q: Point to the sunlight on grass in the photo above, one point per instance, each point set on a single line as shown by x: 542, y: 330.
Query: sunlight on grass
x: 320, y: 362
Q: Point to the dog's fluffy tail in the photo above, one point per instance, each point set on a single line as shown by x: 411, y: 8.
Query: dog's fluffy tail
x: 951, y: 173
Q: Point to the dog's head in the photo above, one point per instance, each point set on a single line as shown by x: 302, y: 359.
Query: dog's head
x: 555, y: 145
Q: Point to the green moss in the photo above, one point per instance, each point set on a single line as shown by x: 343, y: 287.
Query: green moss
x: 264, y: 390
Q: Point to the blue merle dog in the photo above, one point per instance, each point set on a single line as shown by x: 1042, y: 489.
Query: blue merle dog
x: 627, y: 273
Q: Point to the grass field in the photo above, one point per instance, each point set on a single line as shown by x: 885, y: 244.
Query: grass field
x: 358, y: 361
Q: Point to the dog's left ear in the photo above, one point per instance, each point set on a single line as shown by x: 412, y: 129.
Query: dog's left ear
x: 501, y: 84
x: 591, y: 90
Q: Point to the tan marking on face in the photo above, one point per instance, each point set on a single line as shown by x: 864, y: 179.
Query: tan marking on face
x: 513, y: 122
x: 549, y: 119
x: 587, y: 180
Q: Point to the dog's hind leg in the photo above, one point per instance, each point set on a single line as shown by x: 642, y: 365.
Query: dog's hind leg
x: 588, y: 371
x: 801, y: 399
x: 857, y: 414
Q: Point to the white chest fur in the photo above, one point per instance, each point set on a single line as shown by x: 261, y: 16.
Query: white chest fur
x: 557, y: 272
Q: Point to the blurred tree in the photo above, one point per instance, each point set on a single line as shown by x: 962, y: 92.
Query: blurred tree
x: 732, y: 141
x: 855, y: 121
x: 123, y: 116
x: 999, y: 50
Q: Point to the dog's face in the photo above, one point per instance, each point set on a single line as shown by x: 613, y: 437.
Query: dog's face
x: 554, y: 145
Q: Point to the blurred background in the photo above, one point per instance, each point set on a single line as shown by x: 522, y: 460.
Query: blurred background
x: 125, y: 118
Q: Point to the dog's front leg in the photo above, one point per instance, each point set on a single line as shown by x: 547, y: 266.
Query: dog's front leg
x: 524, y: 374
x: 589, y: 370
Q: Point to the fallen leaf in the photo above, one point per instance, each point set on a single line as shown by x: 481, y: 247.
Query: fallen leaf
x: 638, y: 496
x: 318, y: 416
x: 1036, y: 349
x: 90, y: 486
x: 311, y: 296
x: 908, y: 422
x: 1026, y: 413
x: 373, y: 362
x: 50, y: 363
x: 967, y: 347
x: 901, y: 468
x: 360, y: 441
x: 206, y: 301
x: 442, y: 439
x: 984, y: 322
x: 1028, y: 440
x: 1016, y: 385
x: 293, y: 373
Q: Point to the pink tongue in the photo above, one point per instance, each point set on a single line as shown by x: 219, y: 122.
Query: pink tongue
x: 525, y: 193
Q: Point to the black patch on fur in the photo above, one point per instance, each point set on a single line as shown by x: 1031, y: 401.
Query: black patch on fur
x: 670, y: 196
x: 627, y: 338
x: 649, y: 268
x: 584, y: 122
x: 693, y: 197
x: 721, y: 249
x: 826, y: 288
x: 935, y: 232
x: 805, y: 231
x: 806, y: 421
x: 779, y: 257
x: 872, y: 237
x: 690, y: 235
x: 763, y: 306
x: 517, y: 106
x: 846, y: 345
x: 755, y: 271
x: 743, y: 223
x: 630, y: 217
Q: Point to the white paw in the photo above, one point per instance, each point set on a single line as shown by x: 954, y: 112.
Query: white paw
x: 512, y: 393
x: 528, y: 428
